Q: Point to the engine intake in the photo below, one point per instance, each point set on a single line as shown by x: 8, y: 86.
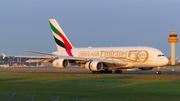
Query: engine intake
x: 60, y: 63
x: 94, y: 66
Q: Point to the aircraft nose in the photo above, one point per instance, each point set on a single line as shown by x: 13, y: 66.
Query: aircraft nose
x: 165, y: 61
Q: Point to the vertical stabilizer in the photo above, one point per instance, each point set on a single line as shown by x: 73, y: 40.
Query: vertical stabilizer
x: 60, y: 38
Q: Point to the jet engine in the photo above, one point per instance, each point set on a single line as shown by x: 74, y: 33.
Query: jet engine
x: 94, y: 66
x: 60, y: 63
x: 150, y: 68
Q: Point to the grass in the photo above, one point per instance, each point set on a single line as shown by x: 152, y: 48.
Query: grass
x: 93, y: 87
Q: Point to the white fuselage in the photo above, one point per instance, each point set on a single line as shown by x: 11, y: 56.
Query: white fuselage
x: 135, y: 56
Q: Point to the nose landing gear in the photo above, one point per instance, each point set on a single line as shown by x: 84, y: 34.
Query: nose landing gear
x: 158, y: 72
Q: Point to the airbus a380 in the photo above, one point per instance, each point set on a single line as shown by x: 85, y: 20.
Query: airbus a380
x: 100, y: 60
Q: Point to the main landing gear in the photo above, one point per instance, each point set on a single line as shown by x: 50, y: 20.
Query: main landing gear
x: 158, y: 72
x: 102, y: 71
x: 118, y: 71
x: 106, y: 71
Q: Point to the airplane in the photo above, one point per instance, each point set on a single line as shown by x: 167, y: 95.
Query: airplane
x: 100, y: 59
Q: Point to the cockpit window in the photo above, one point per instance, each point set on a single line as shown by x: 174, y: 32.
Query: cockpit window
x: 160, y: 55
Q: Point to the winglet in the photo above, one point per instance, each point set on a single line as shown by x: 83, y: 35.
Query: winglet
x: 3, y: 55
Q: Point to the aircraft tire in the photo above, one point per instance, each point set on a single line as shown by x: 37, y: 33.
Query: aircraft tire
x: 158, y: 72
x: 110, y: 71
x: 120, y: 71
x: 106, y: 71
x: 116, y: 71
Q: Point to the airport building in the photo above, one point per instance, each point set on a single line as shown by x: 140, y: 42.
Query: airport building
x: 24, y: 62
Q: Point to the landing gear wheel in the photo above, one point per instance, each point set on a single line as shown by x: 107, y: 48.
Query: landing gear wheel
x: 96, y: 72
x: 158, y: 72
x: 102, y: 71
x: 110, y: 71
x: 106, y: 71
x: 118, y: 71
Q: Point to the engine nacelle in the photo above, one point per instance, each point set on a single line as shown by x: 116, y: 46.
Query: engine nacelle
x: 60, y: 63
x: 150, y: 68
x: 94, y: 66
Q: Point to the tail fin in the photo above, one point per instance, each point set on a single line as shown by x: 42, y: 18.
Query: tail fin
x: 60, y: 38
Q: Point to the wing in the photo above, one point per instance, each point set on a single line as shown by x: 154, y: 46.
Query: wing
x: 51, y: 57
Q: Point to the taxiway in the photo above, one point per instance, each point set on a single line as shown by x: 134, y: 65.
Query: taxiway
x: 172, y: 71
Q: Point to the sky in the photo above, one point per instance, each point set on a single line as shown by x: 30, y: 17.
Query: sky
x: 24, y: 24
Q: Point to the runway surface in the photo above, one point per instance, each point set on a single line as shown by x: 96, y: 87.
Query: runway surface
x: 171, y: 71
x: 165, y: 71
x: 123, y: 74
